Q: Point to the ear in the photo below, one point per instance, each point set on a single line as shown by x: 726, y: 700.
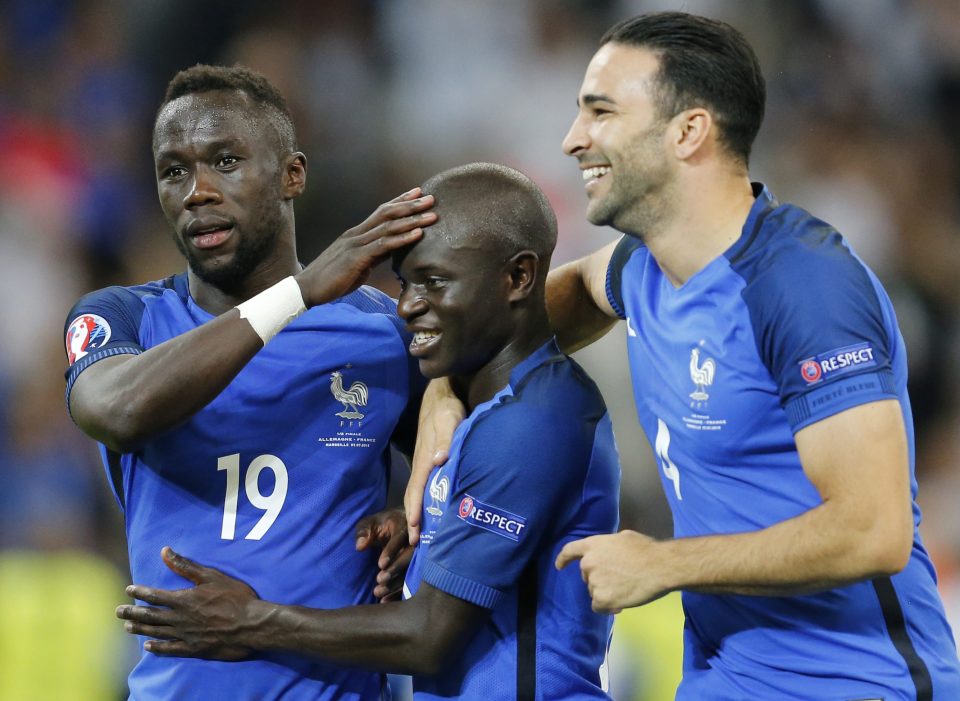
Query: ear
x: 294, y: 175
x: 693, y: 129
x: 523, y: 269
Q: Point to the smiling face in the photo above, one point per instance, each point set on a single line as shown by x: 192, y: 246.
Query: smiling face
x: 220, y: 178
x: 456, y: 300
x: 620, y: 139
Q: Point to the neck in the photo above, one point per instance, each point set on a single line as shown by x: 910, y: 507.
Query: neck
x: 491, y: 378
x: 707, y: 216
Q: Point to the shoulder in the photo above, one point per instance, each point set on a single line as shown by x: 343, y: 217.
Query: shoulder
x: 800, y: 269
x: 369, y: 300
x: 553, y: 409
x: 116, y: 302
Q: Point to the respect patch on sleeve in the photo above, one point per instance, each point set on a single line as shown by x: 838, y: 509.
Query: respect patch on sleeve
x: 491, y: 518
x: 837, y: 362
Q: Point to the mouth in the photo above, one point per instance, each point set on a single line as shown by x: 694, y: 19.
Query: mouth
x: 423, y: 342
x: 206, y: 235
x: 593, y: 174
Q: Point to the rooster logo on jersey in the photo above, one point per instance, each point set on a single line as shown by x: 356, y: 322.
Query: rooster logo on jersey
x: 351, y: 398
x: 702, y: 375
x: 86, y: 333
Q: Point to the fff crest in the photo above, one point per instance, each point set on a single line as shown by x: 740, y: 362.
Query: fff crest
x: 352, y: 397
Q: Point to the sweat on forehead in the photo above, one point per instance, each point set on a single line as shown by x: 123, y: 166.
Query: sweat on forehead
x: 210, y: 108
x: 494, y: 206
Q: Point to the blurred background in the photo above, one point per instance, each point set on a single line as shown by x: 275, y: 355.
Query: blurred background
x: 861, y: 128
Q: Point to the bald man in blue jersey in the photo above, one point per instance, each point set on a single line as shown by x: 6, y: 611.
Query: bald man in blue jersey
x: 770, y: 376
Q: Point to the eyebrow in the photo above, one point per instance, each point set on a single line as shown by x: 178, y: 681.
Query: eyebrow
x: 213, y: 146
x: 592, y: 98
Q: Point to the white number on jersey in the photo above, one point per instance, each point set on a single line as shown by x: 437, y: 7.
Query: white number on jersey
x: 661, y: 447
x: 269, y: 503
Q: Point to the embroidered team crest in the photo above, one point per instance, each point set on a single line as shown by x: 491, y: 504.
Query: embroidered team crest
x: 439, y: 491
x: 701, y: 374
x: 86, y: 333
x: 351, y: 398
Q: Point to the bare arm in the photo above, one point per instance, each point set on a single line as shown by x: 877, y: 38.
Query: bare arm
x: 124, y: 400
x: 221, y: 618
x: 858, y: 462
x: 577, y: 300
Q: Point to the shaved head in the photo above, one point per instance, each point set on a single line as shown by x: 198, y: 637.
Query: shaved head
x: 494, y: 207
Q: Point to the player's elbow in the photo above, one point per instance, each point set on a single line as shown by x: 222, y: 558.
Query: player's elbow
x: 116, y: 424
x: 893, y: 550
x: 886, y: 547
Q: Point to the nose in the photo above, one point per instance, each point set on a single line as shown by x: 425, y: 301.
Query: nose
x: 577, y: 139
x: 202, y: 191
x: 410, y: 305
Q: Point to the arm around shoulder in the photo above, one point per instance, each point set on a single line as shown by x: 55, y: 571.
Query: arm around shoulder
x: 577, y: 303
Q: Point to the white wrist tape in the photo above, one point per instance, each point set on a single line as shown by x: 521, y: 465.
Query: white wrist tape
x: 274, y: 308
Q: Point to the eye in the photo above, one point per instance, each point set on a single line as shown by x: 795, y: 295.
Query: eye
x: 227, y: 161
x: 434, y: 283
x: 173, y: 172
x: 403, y: 283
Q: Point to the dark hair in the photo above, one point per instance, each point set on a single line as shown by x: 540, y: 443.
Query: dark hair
x: 204, y: 78
x: 703, y: 63
x: 497, y: 203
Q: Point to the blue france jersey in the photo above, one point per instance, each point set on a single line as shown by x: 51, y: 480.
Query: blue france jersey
x: 267, y: 481
x: 787, y: 328
x: 530, y: 470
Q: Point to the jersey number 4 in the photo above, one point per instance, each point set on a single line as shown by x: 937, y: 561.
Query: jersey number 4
x: 270, y: 503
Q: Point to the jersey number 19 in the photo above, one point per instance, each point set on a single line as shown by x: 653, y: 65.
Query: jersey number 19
x: 270, y: 503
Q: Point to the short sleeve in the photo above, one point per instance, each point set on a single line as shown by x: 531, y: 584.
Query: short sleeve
x: 101, y: 324
x: 822, y: 328
x: 513, y: 491
x: 621, y: 254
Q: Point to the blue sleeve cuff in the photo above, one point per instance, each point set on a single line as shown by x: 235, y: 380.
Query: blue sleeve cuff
x: 823, y: 402
x: 74, y: 372
x: 461, y: 587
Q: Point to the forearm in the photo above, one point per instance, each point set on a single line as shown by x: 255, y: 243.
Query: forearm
x: 575, y: 317
x: 384, y: 637
x: 817, y: 550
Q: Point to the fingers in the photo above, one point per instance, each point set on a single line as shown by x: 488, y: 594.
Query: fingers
x: 167, y: 648
x: 574, y: 550
x: 134, y: 628
x: 144, y: 615
x: 185, y: 567
x: 158, y: 597
x: 395, y: 217
x: 364, y: 532
x: 394, y: 548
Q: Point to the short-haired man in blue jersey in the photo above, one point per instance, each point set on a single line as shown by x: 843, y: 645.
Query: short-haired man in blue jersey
x: 245, y: 407
x: 532, y: 468
x: 770, y: 376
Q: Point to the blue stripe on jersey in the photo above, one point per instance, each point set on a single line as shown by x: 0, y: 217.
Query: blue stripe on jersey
x: 785, y: 329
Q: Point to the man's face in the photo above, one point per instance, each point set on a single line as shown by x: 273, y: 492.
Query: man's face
x: 454, y: 300
x: 619, y: 138
x: 219, y: 175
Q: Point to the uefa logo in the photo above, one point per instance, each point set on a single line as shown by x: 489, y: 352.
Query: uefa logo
x: 810, y: 370
x: 466, y: 506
